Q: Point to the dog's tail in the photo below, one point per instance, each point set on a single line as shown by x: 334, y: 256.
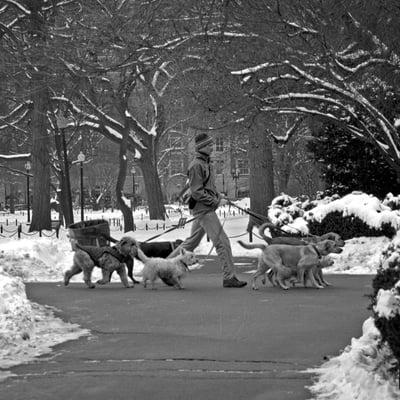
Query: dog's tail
x: 252, y: 246
x: 142, y: 257
x: 261, y: 230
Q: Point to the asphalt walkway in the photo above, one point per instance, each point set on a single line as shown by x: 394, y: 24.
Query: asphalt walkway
x: 204, y: 342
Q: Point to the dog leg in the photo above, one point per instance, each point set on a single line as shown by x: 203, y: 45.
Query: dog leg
x: 129, y: 265
x: 261, y: 268
x: 122, y: 274
x: 322, y: 280
x: 87, y: 277
x: 153, y: 284
x: 254, y: 285
x: 313, y: 280
x: 75, y: 269
x: 280, y: 281
x: 178, y: 284
x: 106, y: 277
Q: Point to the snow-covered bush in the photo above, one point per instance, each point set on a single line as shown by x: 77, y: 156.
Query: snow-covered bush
x: 392, y: 202
x: 386, y: 298
x: 354, y: 215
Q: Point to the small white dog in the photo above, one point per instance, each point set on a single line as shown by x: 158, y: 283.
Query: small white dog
x: 171, y: 270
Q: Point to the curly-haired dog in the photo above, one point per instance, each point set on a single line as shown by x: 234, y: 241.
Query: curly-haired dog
x: 109, y: 259
x: 171, y: 269
x: 298, y: 241
x: 150, y: 249
x: 284, y: 259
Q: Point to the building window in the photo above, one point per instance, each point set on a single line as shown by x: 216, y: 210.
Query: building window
x: 219, y: 144
x: 243, y: 166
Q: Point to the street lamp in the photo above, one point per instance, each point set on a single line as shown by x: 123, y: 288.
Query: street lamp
x: 28, y: 168
x: 235, y: 176
x: 81, y: 160
x: 133, y: 171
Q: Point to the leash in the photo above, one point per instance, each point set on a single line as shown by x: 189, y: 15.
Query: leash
x: 263, y: 218
x: 169, y: 230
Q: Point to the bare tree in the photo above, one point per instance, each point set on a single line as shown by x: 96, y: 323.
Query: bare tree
x: 334, y: 63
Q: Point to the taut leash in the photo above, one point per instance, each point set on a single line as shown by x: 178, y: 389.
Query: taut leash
x: 169, y: 230
x: 263, y: 218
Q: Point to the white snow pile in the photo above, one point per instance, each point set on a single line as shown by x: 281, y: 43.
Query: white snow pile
x: 363, y: 370
x: 360, y: 372
x: 27, y: 329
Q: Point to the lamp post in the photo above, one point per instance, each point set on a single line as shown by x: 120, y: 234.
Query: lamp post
x: 81, y: 160
x: 28, y: 168
x: 235, y: 176
x: 133, y: 171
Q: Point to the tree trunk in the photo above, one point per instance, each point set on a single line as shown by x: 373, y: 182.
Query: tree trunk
x: 153, y: 187
x: 123, y: 164
x: 261, y: 174
x: 41, y: 216
x: 283, y: 166
x: 65, y: 196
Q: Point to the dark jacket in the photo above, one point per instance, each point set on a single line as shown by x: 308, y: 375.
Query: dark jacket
x: 202, y: 185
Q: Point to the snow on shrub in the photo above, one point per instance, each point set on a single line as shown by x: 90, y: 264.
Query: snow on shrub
x: 392, y: 202
x: 385, y: 300
x: 367, y: 208
x: 354, y: 215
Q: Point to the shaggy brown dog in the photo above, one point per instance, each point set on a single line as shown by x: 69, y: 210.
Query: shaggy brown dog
x: 284, y: 259
x: 109, y: 259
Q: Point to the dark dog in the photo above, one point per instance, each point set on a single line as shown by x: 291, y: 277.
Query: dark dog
x: 150, y: 249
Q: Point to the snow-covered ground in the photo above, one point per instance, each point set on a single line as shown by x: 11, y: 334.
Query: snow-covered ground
x: 28, y: 329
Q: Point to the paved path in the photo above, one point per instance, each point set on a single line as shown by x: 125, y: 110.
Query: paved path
x: 205, y: 342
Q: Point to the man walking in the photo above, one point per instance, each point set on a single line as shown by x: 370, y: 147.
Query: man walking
x: 205, y: 199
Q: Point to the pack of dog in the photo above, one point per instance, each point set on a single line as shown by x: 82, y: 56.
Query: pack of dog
x: 110, y: 258
x: 150, y: 249
x: 290, y: 259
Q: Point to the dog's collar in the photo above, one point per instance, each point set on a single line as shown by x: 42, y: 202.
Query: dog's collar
x: 184, y: 264
x: 317, y: 251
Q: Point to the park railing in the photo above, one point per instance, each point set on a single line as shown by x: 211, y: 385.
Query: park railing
x: 13, y: 227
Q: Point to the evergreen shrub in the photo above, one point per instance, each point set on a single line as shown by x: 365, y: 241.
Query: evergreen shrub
x: 348, y: 226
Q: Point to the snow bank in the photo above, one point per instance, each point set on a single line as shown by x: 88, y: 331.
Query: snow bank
x: 360, y: 372
x: 27, y: 329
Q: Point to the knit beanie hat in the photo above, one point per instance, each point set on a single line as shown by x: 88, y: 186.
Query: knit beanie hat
x: 201, y: 140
